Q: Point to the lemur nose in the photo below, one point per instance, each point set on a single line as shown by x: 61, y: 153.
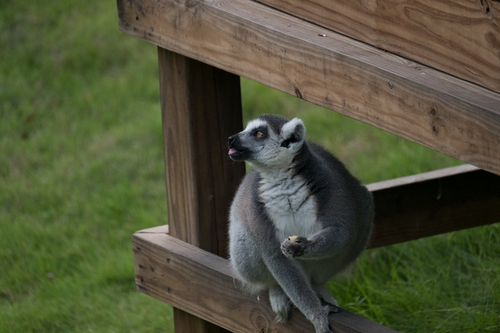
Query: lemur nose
x: 230, y: 140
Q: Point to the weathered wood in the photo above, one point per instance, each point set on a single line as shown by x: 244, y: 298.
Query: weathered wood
x: 459, y: 37
x: 201, y: 107
x: 360, y: 81
x: 200, y: 283
x: 433, y: 203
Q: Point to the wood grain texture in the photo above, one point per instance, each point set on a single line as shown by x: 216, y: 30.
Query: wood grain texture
x: 200, y: 283
x: 357, y: 80
x: 433, y: 203
x: 460, y: 37
x: 201, y: 107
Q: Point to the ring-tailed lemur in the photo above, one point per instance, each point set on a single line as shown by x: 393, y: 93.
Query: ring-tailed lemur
x: 298, y: 218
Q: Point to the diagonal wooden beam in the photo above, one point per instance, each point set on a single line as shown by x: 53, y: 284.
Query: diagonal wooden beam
x: 263, y: 44
x: 454, y: 36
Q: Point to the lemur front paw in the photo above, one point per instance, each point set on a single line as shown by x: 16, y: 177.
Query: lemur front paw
x: 294, y: 246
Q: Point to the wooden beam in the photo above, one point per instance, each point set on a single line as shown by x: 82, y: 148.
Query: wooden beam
x: 263, y: 44
x: 201, y: 107
x: 201, y: 283
x: 433, y: 203
x: 459, y: 37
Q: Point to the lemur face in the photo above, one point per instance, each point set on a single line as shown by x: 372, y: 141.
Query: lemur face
x: 268, y: 140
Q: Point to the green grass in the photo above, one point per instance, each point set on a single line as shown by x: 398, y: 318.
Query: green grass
x: 81, y: 169
x: 447, y: 283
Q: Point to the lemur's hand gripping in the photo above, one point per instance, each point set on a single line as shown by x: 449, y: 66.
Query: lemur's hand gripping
x: 294, y: 246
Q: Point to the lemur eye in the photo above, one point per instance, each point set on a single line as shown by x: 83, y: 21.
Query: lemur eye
x: 259, y: 134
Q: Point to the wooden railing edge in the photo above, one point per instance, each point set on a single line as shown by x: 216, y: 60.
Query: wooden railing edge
x: 201, y: 283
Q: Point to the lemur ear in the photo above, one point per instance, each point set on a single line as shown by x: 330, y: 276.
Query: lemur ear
x: 292, y: 132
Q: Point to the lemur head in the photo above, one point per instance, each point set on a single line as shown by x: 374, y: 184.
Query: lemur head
x: 269, y: 141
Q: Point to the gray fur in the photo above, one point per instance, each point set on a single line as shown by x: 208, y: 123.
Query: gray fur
x: 296, y: 188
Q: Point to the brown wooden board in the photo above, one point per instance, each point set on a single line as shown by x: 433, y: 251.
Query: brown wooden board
x: 201, y: 283
x: 360, y: 81
x: 460, y: 37
x: 433, y: 203
x: 201, y: 107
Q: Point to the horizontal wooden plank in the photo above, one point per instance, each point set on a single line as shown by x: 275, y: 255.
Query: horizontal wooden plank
x: 200, y: 283
x: 328, y: 69
x: 428, y: 204
x: 433, y: 203
x: 460, y: 37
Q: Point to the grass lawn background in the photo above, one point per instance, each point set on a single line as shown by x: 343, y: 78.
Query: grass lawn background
x: 81, y: 169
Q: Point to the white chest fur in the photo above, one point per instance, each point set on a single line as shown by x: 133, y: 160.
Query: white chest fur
x: 290, y: 206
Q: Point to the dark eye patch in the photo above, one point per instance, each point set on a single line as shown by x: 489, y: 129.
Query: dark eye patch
x: 260, y: 132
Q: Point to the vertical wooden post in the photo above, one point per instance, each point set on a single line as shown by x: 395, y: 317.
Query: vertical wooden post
x: 201, y: 107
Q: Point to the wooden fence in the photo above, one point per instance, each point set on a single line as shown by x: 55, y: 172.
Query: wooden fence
x: 426, y: 70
